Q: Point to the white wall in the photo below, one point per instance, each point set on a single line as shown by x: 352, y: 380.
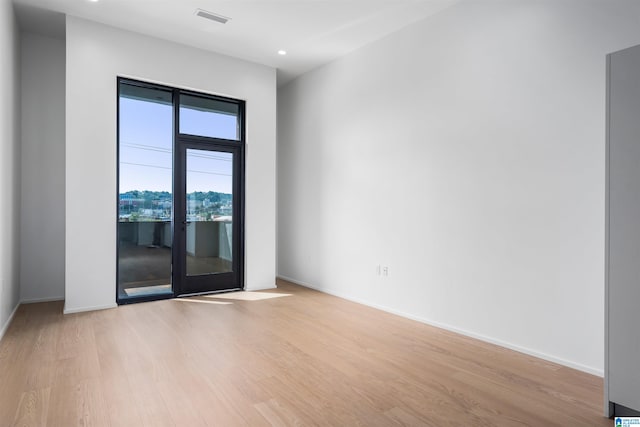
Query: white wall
x: 42, y: 205
x: 9, y: 164
x: 96, y: 54
x: 466, y: 153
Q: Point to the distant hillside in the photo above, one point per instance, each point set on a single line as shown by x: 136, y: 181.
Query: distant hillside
x: 151, y: 196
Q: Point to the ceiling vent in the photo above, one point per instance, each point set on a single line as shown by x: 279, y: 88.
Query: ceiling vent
x: 212, y: 16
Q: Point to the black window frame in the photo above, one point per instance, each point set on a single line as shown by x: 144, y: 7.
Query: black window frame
x: 238, y: 146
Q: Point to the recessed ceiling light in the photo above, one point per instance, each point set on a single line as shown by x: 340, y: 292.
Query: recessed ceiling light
x: 93, y: 1
x: 282, y: 52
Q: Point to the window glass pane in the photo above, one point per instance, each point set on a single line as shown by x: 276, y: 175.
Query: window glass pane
x: 145, y: 187
x: 209, y: 117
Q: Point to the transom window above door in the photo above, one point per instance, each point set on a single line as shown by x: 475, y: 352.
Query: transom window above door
x: 209, y: 117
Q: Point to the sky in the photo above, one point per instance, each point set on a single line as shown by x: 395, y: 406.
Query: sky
x: 146, y: 134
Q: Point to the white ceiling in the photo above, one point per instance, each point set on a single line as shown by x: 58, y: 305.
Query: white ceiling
x: 313, y: 32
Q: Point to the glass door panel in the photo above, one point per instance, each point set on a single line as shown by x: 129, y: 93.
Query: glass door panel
x: 209, y: 212
x: 209, y: 235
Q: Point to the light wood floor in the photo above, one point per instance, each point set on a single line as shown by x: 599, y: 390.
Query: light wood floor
x: 304, y: 359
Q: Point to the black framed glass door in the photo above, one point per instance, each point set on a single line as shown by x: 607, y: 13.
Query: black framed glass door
x: 209, y: 218
x: 180, y: 192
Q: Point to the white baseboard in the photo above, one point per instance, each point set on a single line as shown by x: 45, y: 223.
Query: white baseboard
x: 301, y: 283
x: 544, y: 356
x: 8, y: 322
x: 83, y: 309
x: 47, y: 299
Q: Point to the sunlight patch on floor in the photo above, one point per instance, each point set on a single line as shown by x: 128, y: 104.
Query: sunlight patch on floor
x: 248, y: 296
x: 202, y: 301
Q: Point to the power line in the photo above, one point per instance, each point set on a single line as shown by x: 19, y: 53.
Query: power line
x: 146, y: 166
x: 169, y: 151
x: 204, y: 156
x: 147, y: 148
x: 165, y: 167
x: 209, y: 173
